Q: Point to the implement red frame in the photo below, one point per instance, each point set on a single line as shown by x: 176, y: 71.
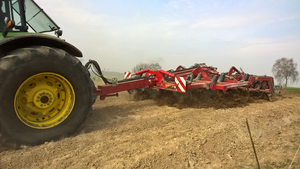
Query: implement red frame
x: 184, y: 79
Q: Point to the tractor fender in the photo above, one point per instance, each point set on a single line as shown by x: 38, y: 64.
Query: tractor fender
x: 21, y: 41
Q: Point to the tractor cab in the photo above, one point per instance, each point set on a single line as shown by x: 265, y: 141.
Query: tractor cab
x: 25, y: 13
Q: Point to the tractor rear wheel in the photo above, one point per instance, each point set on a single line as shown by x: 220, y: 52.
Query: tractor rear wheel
x: 46, y: 94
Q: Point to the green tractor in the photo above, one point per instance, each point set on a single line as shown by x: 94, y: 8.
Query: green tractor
x: 45, y: 91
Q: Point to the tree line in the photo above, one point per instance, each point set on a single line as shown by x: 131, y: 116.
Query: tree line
x: 285, y: 70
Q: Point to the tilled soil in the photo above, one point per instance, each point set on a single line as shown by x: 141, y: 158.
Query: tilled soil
x: 161, y: 130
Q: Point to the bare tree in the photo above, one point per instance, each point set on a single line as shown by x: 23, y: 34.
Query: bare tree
x: 142, y: 66
x: 285, y: 70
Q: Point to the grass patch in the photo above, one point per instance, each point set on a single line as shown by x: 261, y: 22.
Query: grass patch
x: 294, y: 138
x: 98, y: 79
x: 292, y: 89
x: 108, y: 75
x: 273, y: 148
x: 282, y: 164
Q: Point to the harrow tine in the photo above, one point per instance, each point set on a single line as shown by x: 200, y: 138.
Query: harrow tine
x: 214, y: 80
x: 199, y: 76
x: 269, y: 97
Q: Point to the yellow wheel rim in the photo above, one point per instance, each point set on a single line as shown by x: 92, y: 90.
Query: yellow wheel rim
x: 44, y: 100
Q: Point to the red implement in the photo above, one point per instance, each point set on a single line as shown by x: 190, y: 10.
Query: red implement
x: 183, y: 79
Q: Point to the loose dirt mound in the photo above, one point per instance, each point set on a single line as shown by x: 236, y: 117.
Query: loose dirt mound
x: 200, y: 98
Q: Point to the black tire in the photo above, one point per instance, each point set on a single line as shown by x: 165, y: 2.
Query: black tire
x: 23, y: 63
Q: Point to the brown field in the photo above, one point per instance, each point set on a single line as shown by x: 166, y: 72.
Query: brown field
x: 175, y: 132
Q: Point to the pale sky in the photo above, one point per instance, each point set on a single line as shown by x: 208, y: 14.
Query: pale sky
x: 119, y: 34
